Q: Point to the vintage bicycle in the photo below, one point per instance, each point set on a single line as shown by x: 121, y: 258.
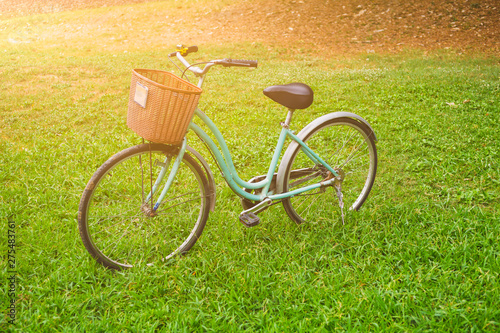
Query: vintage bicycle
x: 150, y: 203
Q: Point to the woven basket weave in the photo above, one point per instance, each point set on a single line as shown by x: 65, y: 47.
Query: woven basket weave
x: 166, y: 110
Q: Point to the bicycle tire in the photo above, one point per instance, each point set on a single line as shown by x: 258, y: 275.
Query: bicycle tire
x: 117, y: 229
x: 347, y: 145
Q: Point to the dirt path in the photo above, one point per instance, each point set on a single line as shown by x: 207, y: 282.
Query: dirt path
x: 333, y: 26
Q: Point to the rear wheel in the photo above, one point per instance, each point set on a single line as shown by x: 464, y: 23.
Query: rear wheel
x: 115, y: 221
x: 349, y: 148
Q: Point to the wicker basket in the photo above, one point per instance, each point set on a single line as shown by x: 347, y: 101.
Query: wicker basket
x: 161, y: 105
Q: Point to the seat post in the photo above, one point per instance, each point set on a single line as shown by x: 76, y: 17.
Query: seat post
x: 288, y: 120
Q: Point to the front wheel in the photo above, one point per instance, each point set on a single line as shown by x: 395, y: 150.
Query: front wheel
x: 115, y: 220
x: 348, y: 146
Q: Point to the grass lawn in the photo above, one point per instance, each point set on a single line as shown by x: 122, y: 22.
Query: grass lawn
x: 423, y: 254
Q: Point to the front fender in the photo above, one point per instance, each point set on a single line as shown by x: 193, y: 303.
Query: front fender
x: 304, y: 133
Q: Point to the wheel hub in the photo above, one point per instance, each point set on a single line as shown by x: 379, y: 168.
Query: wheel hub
x: 146, y: 209
x: 340, y: 178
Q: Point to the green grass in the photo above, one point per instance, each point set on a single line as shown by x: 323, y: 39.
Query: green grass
x: 421, y: 255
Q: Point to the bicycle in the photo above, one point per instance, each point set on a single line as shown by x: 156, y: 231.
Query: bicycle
x: 331, y: 162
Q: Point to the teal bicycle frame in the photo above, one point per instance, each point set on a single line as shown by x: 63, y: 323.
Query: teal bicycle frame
x: 226, y: 163
x: 228, y: 170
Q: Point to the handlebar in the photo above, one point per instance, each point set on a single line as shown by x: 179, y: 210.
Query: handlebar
x: 183, y: 51
x: 235, y: 62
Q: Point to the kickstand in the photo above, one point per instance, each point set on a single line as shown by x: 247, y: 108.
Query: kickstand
x: 340, y: 196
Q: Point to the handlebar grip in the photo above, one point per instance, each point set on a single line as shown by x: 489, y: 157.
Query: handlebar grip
x: 240, y: 63
x: 192, y: 49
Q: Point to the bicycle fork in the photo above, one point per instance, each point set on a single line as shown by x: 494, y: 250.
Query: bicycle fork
x: 146, y: 206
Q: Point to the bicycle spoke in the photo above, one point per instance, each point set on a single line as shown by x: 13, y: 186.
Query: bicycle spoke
x: 117, y: 223
x: 341, y: 148
x: 118, y: 240
x: 360, y: 167
x: 177, y: 197
x: 309, y: 206
x: 344, y: 144
x: 142, y: 177
x: 305, y: 179
x: 104, y: 218
x: 182, y: 203
x: 351, y: 156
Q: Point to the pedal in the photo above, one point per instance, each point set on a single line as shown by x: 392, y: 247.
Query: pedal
x: 249, y: 219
